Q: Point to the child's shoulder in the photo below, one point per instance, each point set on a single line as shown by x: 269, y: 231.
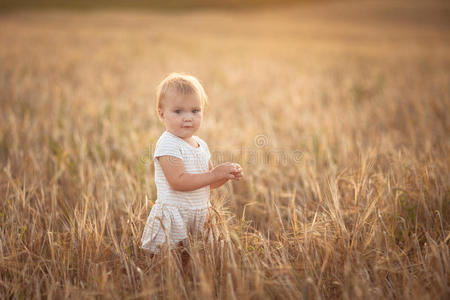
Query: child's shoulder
x: 166, y: 139
x: 167, y: 136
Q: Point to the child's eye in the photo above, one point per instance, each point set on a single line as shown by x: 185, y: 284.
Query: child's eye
x: 196, y: 110
x: 177, y: 111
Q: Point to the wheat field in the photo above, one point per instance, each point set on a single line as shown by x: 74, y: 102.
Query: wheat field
x: 337, y: 111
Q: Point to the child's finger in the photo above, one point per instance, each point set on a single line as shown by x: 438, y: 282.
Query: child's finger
x: 238, y: 175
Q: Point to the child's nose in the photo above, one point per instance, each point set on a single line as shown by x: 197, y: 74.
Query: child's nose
x: 188, y: 117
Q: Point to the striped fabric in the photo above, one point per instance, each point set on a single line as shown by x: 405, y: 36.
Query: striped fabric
x: 177, y: 213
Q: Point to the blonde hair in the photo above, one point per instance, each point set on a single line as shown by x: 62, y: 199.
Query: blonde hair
x: 180, y: 83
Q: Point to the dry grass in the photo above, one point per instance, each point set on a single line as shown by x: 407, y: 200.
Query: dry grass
x: 338, y: 114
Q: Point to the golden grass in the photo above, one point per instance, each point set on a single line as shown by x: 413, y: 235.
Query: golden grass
x: 338, y: 114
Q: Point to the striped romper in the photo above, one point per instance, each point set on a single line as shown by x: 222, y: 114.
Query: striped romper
x: 175, y: 213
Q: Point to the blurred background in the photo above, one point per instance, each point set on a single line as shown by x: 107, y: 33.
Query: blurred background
x: 140, y: 4
x: 337, y: 110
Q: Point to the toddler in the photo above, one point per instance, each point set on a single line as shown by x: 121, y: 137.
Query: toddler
x: 184, y: 173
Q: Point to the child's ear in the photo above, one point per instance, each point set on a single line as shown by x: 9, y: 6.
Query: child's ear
x: 161, y: 113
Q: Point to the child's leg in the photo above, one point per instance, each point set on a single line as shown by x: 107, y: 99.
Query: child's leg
x: 182, y: 250
x: 185, y: 258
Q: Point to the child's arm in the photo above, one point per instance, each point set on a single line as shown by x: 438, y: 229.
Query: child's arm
x: 179, y: 180
x: 216, y: 184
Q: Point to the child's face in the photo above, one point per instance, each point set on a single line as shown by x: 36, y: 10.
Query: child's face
x: 182, y: 114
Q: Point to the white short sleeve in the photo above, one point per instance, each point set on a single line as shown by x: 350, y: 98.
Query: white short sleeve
x: 168, y: 146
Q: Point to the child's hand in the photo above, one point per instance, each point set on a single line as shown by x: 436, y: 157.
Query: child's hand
x: 227, y: 170
x: 239, y: 174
